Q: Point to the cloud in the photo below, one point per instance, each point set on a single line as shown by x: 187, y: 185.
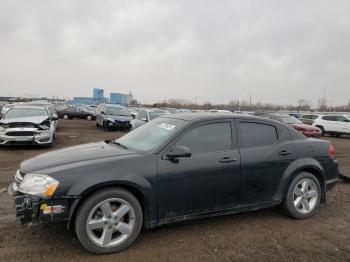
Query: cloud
x: 278, y: 51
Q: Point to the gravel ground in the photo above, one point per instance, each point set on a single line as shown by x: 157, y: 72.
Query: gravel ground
x: 265, y: 235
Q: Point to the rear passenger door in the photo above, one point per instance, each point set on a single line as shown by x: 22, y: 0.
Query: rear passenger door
x: 266, y: 151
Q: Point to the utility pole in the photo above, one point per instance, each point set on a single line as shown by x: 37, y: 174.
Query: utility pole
x: 250, y: 101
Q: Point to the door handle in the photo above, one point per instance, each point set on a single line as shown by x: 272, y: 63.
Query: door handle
x: 227, y: 160
x: 285, y: 153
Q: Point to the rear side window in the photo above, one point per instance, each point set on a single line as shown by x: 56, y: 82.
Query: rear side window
x: 257, y: 135
x: 208, y: 138
x: 329, y: 118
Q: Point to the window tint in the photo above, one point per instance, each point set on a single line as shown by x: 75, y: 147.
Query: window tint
x: 256, y: 135
x: 329, y: 118
x: 341, y: 119
x: 208, y: 138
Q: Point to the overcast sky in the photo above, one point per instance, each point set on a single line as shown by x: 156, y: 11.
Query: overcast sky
x: 278, y: 51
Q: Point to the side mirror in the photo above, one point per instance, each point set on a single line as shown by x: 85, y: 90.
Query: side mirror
x: 54, y: 117
x: 103, y: 113
x: 133, y: 116
x: 178, y: 152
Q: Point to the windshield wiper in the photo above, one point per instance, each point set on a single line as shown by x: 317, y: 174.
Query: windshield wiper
x: 116, y: 143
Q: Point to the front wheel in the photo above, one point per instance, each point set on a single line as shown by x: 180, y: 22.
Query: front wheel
x: 303, y: 196
x: 88, y: 118
x: 109, y: 221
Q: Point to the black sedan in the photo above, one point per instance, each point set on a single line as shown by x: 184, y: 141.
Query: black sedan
x: 174, y: 168
x: 77, y: 112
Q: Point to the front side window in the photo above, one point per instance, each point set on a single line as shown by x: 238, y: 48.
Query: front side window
x: 25, y: 112
x: 208, y: 138
x: 257, y: 135
x: 341, y: 119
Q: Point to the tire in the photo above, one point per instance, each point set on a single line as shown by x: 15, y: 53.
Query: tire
x: 130, y: 222
x: 322, y: 130
x: 105, y: 126
x: 89, y: 118
x: 65, y: 117
x: 299, y: 209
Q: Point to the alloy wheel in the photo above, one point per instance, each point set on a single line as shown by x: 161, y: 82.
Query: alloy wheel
x: 110, y: 222
x: 305, y: 195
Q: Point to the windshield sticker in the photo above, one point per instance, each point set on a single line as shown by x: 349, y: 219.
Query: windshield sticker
x: 167, y: 126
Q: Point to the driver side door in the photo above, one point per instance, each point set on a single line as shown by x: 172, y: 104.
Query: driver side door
x: 208, y: 180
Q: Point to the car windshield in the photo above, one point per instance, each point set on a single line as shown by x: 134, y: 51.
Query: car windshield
x: 151, y: 135
x: 290, y: 120
x: 25, y: 112
x: 155, y: 114
x: 117, y: 111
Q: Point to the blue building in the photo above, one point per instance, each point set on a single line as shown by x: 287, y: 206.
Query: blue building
x: 120, y: 99
x: 98, y: 94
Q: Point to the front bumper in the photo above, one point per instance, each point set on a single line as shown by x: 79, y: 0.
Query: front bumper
x: 119, y: 125
x: 36, y: 210
x: 35, y: 138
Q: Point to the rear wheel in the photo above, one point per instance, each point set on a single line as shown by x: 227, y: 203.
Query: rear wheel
x: 109, y: 221
x: 322, y: 130
x: 303, y: 196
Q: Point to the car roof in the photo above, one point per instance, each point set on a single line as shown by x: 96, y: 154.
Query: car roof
x: 208, y: 116
x: 26, y: 106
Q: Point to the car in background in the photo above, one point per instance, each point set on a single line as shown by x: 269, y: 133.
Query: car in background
x: 307, y: 130
x: 295, y: 114
x: 174, y: 168
x: 308, y: 118
x: 115, y: 117
x: 77, y: 112
x: 146, y: 115
x: 27, y: 125
x: 5, y: 108
x: 333, y: 124
x: 219, y: 111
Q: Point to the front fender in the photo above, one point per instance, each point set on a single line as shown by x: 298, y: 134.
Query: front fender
x: 307, y: 164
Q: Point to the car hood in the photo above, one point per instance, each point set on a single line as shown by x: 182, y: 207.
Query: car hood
x: 35, y: 120
x: 73, y: 155
x: 305, y: 126
x: 120, y: 118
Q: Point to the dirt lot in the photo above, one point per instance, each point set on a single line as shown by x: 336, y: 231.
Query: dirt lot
x: 265, y: 235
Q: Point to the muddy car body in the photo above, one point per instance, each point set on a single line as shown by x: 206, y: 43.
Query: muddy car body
x: 190, y: 166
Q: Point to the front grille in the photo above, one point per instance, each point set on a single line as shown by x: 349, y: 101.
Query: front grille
x: 20, y: 133
x: 20, y: 124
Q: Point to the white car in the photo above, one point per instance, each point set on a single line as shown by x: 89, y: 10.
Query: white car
x: 334, y: 124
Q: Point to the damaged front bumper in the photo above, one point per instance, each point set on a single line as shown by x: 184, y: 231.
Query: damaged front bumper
x: 29, y: 136
x: 37, y: 210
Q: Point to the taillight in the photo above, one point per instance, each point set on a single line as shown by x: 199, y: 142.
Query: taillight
x: 331, y: 151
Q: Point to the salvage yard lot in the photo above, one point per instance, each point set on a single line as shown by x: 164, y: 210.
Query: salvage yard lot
x: 265, y: 235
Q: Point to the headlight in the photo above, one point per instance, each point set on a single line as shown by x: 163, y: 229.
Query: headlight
x: 38, y: 185
x: 110, y: 119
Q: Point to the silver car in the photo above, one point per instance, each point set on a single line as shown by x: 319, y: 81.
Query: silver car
x: 27, y: 125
